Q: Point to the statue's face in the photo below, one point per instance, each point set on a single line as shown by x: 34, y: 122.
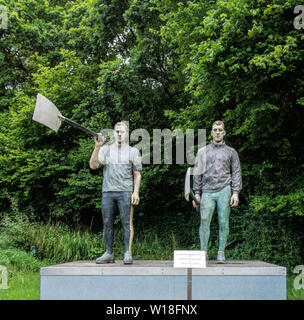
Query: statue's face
x: 120, y: 134
x: 218, y: 133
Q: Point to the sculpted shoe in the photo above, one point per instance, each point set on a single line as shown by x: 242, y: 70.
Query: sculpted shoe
x: 221, y: 257
x: 128, y: 258
x: 105, y: 258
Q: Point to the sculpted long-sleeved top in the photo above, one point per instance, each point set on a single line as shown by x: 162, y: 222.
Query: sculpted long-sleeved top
x: 217, y: 166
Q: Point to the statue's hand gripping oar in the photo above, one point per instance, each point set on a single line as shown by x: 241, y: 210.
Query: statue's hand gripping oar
x: 47, y: 113
x: 188, y: 190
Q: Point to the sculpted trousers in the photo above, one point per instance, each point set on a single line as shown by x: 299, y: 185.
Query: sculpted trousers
x: 210, y: 201
x: 111, y: 202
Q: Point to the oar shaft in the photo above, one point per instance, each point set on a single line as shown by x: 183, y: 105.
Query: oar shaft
x: 77, y: 125
x: 131, y: 229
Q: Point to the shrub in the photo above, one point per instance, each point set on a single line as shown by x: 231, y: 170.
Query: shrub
x: 19, y: 260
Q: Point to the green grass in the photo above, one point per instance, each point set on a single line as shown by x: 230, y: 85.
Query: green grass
x: 292, y: 293
x: 22, y: 286
x: 53, y: 242
x: 60, y: 243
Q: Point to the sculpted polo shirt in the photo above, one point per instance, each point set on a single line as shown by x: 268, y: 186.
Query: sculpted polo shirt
x: 217, y: 166
x: 118, y: 166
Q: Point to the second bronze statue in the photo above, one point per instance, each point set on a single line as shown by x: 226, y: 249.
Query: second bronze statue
x: 217, y: 183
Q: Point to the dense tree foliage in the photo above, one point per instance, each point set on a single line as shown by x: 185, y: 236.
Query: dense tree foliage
x: 244, y: 64
x: 158, y: 64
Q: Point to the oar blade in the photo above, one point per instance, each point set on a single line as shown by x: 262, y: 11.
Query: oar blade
x: 46, y: 113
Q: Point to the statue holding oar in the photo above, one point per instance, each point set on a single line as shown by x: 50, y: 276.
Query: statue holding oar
x: 121, y: 170
x: 120, y: 190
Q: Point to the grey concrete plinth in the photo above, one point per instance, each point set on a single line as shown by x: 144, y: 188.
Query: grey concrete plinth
x: 158, y: 280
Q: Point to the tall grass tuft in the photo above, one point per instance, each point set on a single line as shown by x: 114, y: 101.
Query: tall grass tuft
x: 54, y: 242
x: 59, y: 243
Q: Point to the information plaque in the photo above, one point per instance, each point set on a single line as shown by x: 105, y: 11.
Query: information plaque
x: 189, y: 259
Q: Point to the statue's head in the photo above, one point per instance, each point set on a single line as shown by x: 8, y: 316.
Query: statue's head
x: 218, y: 131
x: 121, y: 131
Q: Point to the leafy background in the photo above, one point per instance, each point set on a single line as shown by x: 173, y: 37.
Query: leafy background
x: 158, y: 64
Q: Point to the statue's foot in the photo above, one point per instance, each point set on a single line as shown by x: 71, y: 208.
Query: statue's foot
x: 221, y: 257
x: 128, y: 258
x: 106, y: 258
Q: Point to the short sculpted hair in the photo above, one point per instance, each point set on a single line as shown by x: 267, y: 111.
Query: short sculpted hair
x: 218, y: 123
x: 122, y: 123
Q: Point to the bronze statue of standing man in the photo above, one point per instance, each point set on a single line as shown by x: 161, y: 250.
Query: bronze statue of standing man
x: 217, y: 183
x: 120, y: 190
